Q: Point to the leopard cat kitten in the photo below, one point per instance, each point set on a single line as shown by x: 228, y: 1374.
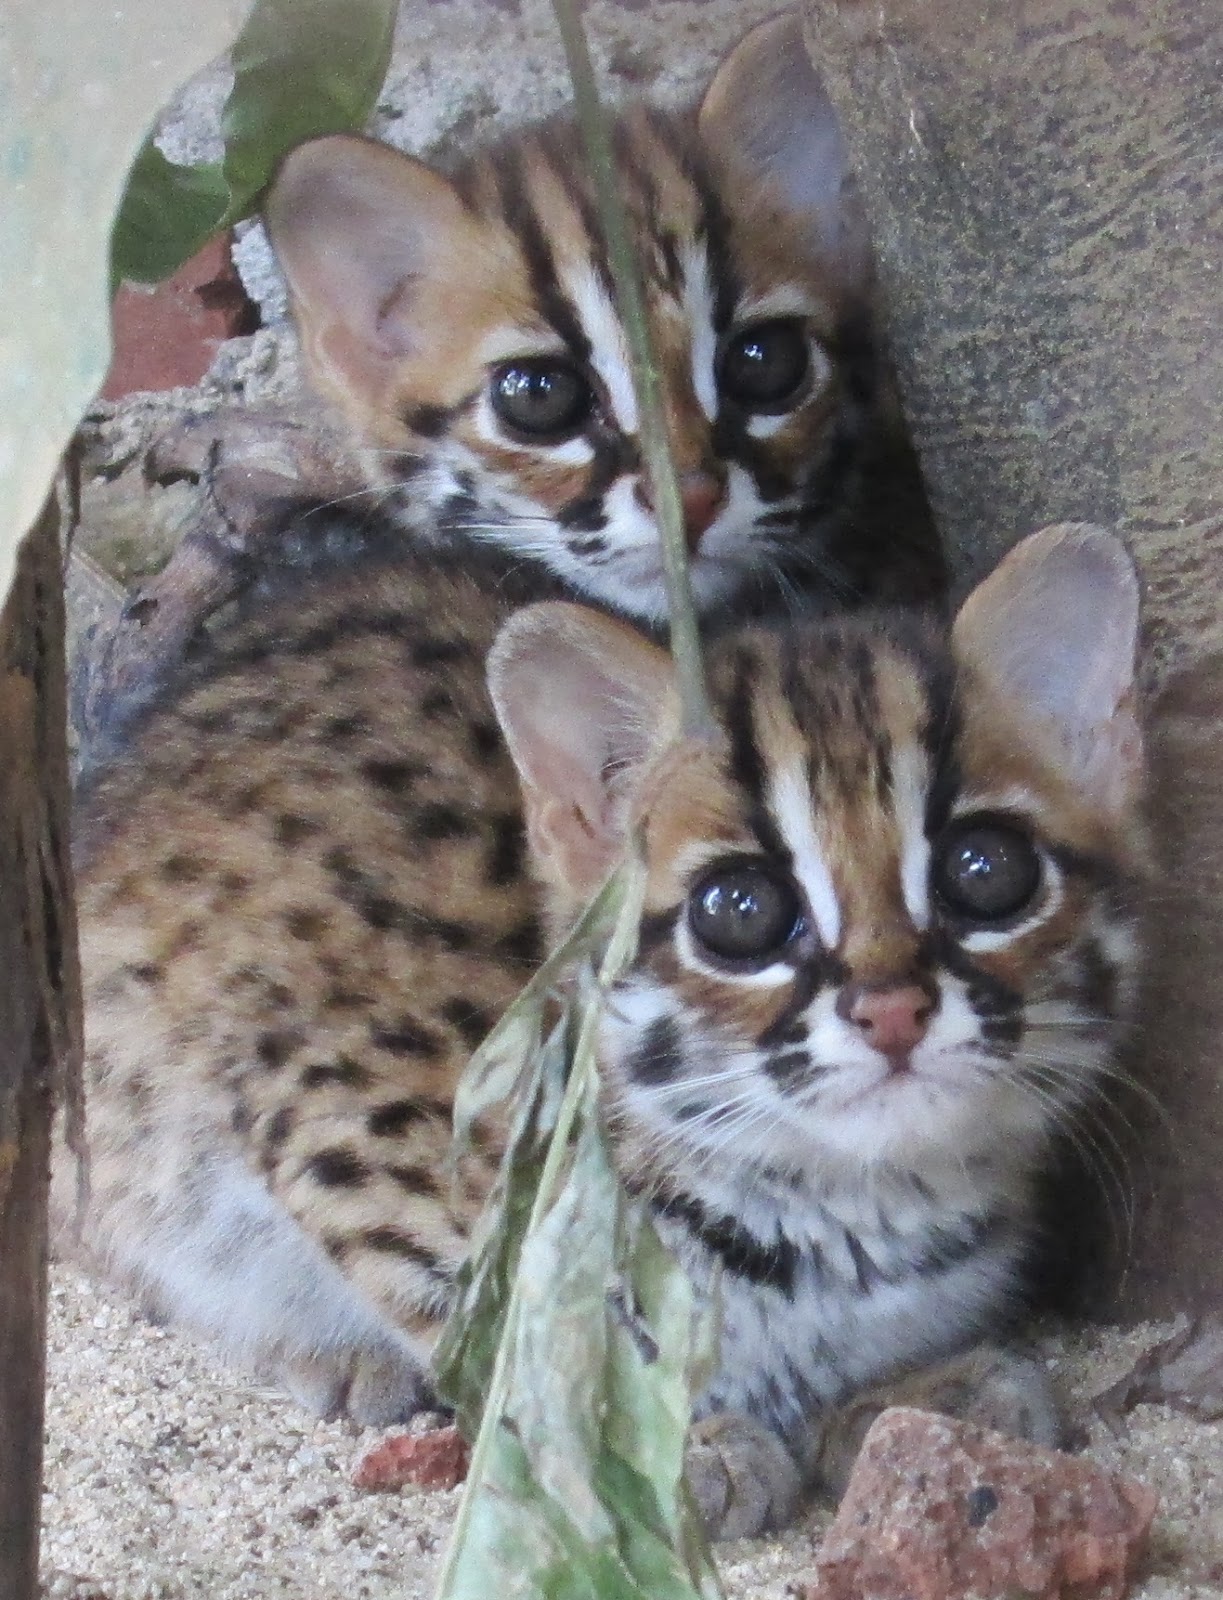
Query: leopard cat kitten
x: 464, y: 322
x: 887, y: 943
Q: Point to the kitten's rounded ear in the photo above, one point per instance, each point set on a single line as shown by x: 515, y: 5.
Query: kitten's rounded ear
x: 767, y: 109
x: 356, y: 226
x: 1054, y: 630
x: 583, y: 701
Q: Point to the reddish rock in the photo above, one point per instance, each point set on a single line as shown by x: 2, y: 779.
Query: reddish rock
x: 167, y: 335
x: 940, y: 1510
x: 434, y: 1460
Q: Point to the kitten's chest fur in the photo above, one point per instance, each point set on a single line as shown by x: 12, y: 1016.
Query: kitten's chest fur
x: 824, y: 1285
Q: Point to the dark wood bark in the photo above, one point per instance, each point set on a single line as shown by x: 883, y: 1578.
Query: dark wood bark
x: 39, y: 1018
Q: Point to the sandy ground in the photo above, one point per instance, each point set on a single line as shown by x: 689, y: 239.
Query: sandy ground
x: 170, y: 1478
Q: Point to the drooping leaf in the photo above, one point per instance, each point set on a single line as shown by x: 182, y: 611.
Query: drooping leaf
x: 301, y: 68
x: 578, y: 1337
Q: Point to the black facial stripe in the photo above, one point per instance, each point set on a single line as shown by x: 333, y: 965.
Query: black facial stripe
x: 739, y: 1250
x: 554, y: 304
x: 747, y: 767
x: 946, y: 1247
x: 865, y: 1270
x: 1092, y: 868
x: 657, y: 927
x: 1098, y: 978
x: 788, y: 1069
x: 658, y: 1055
x: 431, y: 421
x: 614, y: 455
x: 820, y: 971
x: 992, y: 1000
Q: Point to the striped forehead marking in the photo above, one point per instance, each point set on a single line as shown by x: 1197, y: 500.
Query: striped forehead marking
x: 698, y: 309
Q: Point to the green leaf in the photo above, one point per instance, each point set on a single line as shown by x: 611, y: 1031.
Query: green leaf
x: 575, y: 1334
x: 301, y: 68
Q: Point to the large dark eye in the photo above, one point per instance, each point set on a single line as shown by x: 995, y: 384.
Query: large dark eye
x: 764, y: 366
x: 546, y: 398
x: 985, y: 868
x: 743, y: 911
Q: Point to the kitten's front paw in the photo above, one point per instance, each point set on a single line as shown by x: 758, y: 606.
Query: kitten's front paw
x: 376, y: 1388
x: 742, y: 1477
x: 1006, y: 1390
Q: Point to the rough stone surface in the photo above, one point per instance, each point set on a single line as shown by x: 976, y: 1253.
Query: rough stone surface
x: 939, y: 1510
x: 168, y: 335
x: 436, y: 1459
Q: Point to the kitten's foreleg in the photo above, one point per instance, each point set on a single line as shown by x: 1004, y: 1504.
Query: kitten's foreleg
x: 742, y: 1476
x: 222, y: 1255
x: 1006, y: 1390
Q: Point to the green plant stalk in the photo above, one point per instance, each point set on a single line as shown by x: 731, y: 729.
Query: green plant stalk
x: 578, y: 1090
x: 652, y: 429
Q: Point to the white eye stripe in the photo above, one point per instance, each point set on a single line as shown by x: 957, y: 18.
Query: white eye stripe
x: 910, y: 778
x: 698, y: 308
x: 792, y: 806
x: 608, y: 353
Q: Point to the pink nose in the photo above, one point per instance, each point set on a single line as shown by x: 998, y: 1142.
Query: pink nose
x: 702, y: 495
x: 893, y: 1018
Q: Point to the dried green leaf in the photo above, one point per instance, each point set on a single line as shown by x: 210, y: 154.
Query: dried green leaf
x: 506, y: 1064
x: 581, y: 1490
x: 301, y: 68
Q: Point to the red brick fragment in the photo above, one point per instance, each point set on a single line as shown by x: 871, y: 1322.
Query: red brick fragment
x: 940, y: 1510
x: 434, y: 1460
x: 167, y: 335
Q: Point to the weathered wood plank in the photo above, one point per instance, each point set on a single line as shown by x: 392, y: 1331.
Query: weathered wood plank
x: 39, y: 1017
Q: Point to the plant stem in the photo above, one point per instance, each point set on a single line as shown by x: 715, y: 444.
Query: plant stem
x: 652, y: 428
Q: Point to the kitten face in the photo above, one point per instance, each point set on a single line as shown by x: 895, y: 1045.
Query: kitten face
x: 885, y: 934
x: 467, y: 324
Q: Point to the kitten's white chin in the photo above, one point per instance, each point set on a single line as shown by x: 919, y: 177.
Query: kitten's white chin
x: 916, y: 1117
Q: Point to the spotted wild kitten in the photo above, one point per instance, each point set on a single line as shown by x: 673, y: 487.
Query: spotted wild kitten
x: 887, y: 945
x: 464, y: 323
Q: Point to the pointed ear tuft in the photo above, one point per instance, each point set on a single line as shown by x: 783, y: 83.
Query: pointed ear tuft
x: 766, y: 108
x: 583, y: 701
x: 1054, y: 629
x: 356, y: 226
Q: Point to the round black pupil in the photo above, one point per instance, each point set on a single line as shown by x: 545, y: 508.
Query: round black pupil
x: 743, y: 914
x: 540, y: 397
x: 766, y: 364
x: 989, y: 872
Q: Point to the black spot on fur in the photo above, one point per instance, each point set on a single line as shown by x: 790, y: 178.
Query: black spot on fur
x: 506, y: 855
x: 338, y: 1168
x: 522, y: 943
x: 344, y: 1070
x: 289, y: 830
x: 279, y: 1126
x: 182, y: 868
x: 658, y: 1058
x: 413, y: 1179
x: 485, y: 741
x: 393, y: 776
x: 275, y: 1047
x: 407, y: 1037
x: 397, y: 1116
x: 471, y: 1022
x: 395, y: 1242
x: 436, y: 704
x: 437, y: 821
x: 439, y: 652
x: 306, y: 923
